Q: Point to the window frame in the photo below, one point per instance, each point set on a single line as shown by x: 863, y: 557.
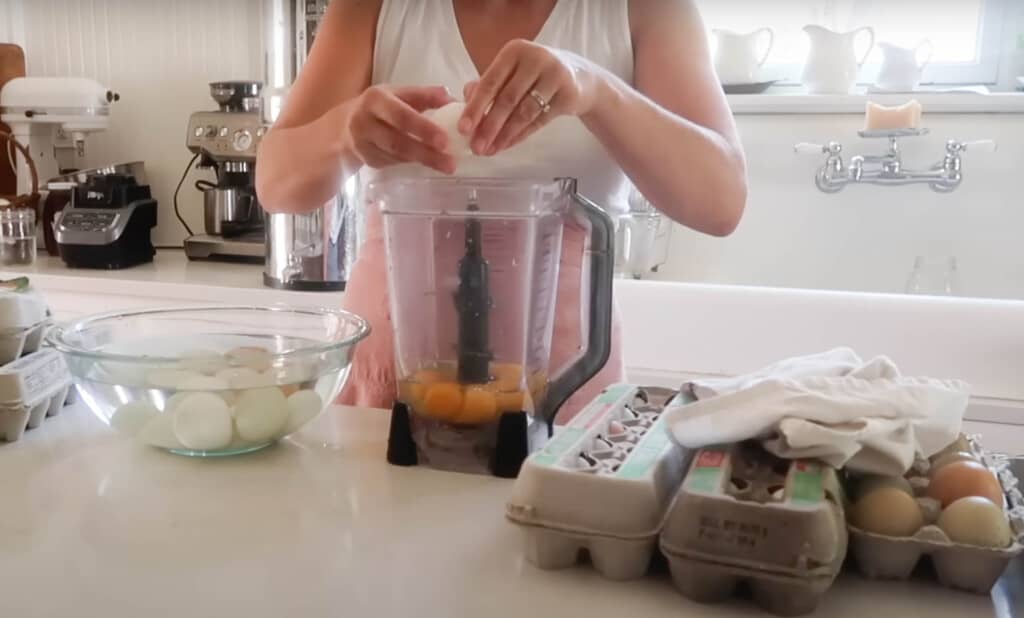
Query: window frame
x: 984, y: 70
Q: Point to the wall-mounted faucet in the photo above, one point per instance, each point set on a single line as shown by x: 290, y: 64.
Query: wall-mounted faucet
x: 887, y: 169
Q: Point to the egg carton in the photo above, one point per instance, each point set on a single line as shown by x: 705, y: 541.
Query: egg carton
x: 956, y: 565
x: 32, y: 388
x: 572, y: 495
x: 21, y: 307
x: 745, y: 516
x: 17, y: 342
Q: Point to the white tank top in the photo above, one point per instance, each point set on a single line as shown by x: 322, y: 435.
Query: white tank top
x: 419, y: 44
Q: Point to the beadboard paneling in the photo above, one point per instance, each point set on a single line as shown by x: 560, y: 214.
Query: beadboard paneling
x: 159, y: 55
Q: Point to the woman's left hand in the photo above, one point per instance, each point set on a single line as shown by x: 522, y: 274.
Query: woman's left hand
x: 525, y: 87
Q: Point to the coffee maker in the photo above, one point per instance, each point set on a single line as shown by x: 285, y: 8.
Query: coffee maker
x: 225, y: 141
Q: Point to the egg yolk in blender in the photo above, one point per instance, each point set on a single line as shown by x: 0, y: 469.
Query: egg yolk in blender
x: 435, y: 393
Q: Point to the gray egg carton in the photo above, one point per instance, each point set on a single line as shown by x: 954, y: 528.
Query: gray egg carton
x: 963, y: 567
x: 744, y: 516
x: 32, y: 388
x: 572, y: 495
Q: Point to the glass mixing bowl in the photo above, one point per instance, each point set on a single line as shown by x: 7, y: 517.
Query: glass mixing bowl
x: 210, y: 380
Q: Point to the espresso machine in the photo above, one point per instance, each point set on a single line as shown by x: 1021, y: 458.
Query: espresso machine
x: 225, y: 141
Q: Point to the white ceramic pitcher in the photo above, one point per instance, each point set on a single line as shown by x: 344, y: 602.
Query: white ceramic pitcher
x: 739, y: 56
x: 832, y: 64
x: 902, y: 66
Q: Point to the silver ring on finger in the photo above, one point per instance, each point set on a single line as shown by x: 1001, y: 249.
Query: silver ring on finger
x: 542, y: 103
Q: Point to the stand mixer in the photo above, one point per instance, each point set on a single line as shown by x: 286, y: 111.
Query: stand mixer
x: 226, y: 141
x: 473, y: 274
x: 53, y: 116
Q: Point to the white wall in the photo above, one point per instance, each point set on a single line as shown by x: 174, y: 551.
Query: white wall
x: 865, y: 238
x: 159, y: 55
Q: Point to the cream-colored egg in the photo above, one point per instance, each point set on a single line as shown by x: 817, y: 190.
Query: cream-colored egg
x: 206, y: 362
x: 255, y: 358
x: 447, y: 117
x: 202, y: 422
x: 303, y: 406
x: 130, y: 418
x: 243, y: 377
x: 159, y: 432
x: 174, y: 401
x: 260, y: 413
x: 295, y: 372
x: 887, y: 510
x: 868, y: 484
x: 170, y: 378
x: 209, y: 384
x: 975, y: 521
x: 204, y: 383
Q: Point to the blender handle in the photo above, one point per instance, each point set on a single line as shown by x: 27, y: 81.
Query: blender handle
x: 599, y: 326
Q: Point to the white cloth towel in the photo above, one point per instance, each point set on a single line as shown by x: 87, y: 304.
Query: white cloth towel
x: 831, y: 406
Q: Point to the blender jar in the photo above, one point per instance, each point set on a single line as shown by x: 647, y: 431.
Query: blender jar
x: 472, y: 272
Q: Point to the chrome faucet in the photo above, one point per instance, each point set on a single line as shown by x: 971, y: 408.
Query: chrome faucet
x: 887, y: 169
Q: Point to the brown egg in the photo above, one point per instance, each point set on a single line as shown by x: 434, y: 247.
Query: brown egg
x: 949, y: 458
x: 960, y: 479
x: 975, y: 521
x: 959, y: 445
x: 889, y: 511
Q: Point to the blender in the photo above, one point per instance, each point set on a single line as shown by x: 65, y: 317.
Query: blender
x: 472, y: 273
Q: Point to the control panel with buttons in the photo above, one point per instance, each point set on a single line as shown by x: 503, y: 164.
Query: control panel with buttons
x: 226, y: 135
x: 89, y: 220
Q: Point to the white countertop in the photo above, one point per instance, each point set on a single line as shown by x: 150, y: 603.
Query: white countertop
x: 320, y: 525
x: 171, y: 273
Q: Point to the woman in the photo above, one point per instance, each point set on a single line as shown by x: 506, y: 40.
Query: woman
x: 627, y: 87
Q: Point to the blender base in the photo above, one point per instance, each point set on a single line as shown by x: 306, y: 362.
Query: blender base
x: 515, y: 437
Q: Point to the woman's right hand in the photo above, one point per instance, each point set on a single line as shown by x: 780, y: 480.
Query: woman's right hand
x: 386, y: 127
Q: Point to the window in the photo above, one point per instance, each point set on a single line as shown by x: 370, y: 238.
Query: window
x: 965, y: 35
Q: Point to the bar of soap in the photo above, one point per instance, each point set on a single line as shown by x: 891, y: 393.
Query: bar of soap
x: 881, y: 118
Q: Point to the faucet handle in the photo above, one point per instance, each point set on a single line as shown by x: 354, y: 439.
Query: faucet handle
x: 982, y: 145
x: 831, y: 148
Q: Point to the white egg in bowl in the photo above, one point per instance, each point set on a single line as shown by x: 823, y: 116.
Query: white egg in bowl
x: 210, y: 381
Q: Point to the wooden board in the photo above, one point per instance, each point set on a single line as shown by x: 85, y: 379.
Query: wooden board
x: 12, y: 64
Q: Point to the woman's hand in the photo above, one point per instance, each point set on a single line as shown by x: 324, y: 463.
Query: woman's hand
x: 525, y: 87
x: 386, y: 127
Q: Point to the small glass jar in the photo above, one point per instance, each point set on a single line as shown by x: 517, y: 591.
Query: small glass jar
x: 934, y: 276
x: 17, y: 237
